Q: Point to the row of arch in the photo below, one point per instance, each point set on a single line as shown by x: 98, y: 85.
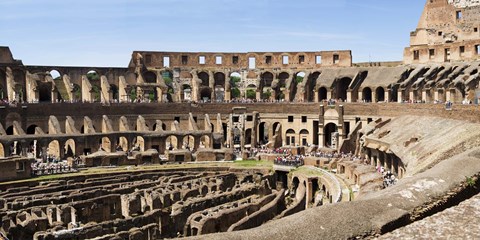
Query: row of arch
x: 63, y: 148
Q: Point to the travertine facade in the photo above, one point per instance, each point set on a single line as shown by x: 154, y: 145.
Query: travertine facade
x: 448, y: 31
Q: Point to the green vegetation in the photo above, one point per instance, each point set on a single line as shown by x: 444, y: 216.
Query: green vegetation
x: 235, y: 92
x: 470, y: 181
x: 253, y: 164
x: 133, y: 94
x: 267, y: 94
x: 299, y: 79
x: 168, y: 81
x: 251, y: 94
x: 93, y: 76
x: 234, y: 80
x: 96, y: 93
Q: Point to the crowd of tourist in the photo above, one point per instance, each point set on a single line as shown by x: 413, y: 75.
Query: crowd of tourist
x: 290, y: 160
x: 40, y: 168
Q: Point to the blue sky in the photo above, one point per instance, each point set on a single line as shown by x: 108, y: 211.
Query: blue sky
x: 105, y: 32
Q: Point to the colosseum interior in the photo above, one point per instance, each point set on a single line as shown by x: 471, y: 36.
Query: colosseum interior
x: 257, y: 145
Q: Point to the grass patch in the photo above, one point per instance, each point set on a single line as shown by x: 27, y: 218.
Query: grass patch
x: 253, y: 164
x: 308, y: 172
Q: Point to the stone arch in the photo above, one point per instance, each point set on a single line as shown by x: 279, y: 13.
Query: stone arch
x: 329, y: 130
x: 93, y: 75
x: 106, y: 144
x: 367, y: 94
x: 219, y: 81
x: 20, y: 80
x: 32, y: 148
x: 303, y: 137
x: 205, y: 94
x: 290, y: 137
x: 97, y: 92
x: 380, y: 94
x: 171, y: 142
x: 31, y: 129
x: 3, y: 85
x: 115, y: 92
x: 309, y: 95
x: 295, y: 184
x: 150, y: 77
x: 322, y: 94
x: 2, y: 151
x: 205, y: 141
x: 54, y: 149
x: 266, y: 79
x: 235, y: 81
x: 188, y: 142
x: 263, y: 133
x: 121, y: 144
x: 70, y: 148
x: 139, y: 142
x: 55, y: 74
x: 341, y: 88
x: 219, y: 78
x: 131, y: 78
x: 187, y: 92
x: 248, y: 136
x: 205, y: 79
x: 44, y: 92
x: 9, y: 130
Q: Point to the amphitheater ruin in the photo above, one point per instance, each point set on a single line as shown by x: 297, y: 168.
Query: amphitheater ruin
x: 258, y: 145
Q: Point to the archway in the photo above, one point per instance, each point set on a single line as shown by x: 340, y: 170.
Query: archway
x: 150, y: 77
x: 367, y: 94
x: 171, y: 142
x: 282, y: 83
x: 267, y: 79
x: 187, y: 92
x: 309, y: 95
x: 105, y: 144
x: 290, y: 137
x: 205, y: 79
x: 9, y: 130
x: 96, y: 93
x: 206, y: 94
x: 188, y: 142
x: 55, y: 75
x: 115, y: 92
x: 122, y: 144
x: 44, y: 93
x: 235, y: 81
x: 248, y: 136
x: 53, y: 149
x: 263, y: 133
x: 295, y: 184
x: 92, y: 75
x: 2, y: 151
x: 251, y: 92
x: 139, y: 143
x: 31, y: 129
x: 219, y: 79
x: 304, y: 137
x: 205, y: 141
x: 3, y: 85
x: 329, y: 132
x: 70, y: 148
x: 342, y: 88
x: 20, y: 79
x: 322, y: 94
x: 380, y: 94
